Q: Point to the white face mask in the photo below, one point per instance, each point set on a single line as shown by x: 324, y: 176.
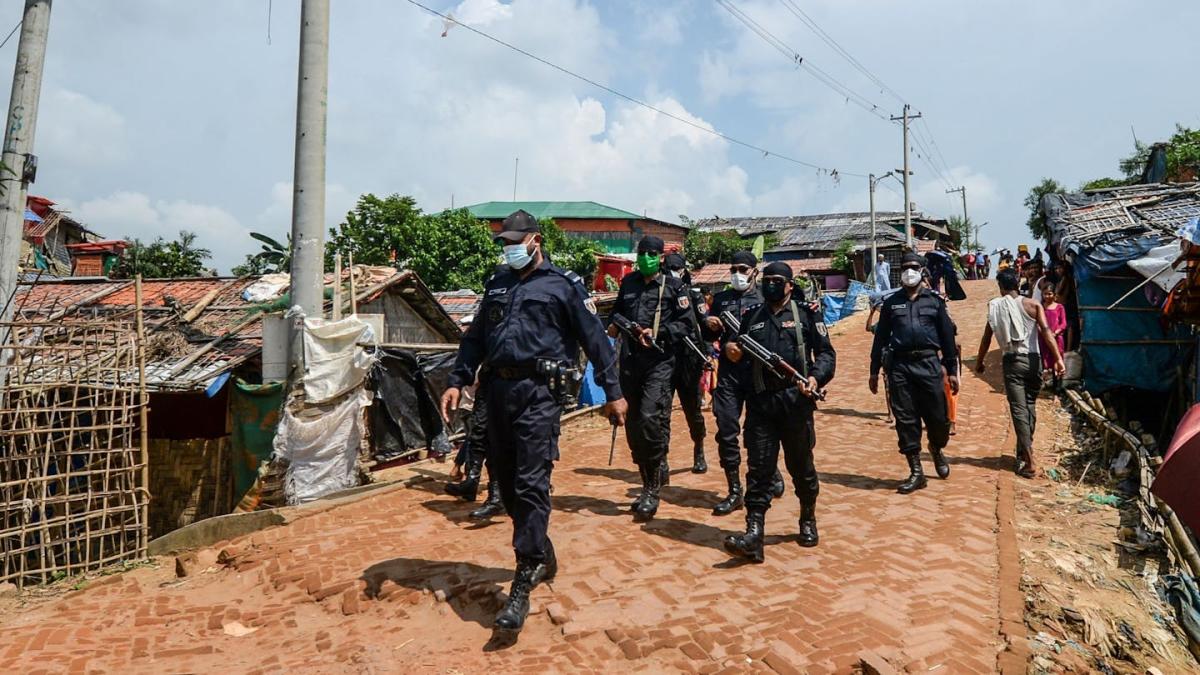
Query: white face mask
x: 910, y: 278
x: 518, y: 256
x: 678, y: 274
x: 739, y: 281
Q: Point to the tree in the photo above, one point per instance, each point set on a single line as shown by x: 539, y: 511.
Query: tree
x: 1183, y: 157
x: 1033, y: 201
x: 571, y: 253
x: 1102, y: 183
x: 842, y: 257
x: 965, y: 230
x: 274, y: 258
x: 701, y: 248
x: 163, y: 259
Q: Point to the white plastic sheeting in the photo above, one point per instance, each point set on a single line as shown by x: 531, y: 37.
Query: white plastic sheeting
x: 1156, y: 263
x: 321, y: 445
x: 333, y: 362
x: 268, y: 287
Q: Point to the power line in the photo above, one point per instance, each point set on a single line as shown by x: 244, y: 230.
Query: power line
x: 792, y: 55
x: 833, y: 44
x: 834, y: 173
x: 10, y: 34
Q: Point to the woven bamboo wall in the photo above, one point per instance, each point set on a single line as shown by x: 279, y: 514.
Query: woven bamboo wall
x: 191, y: 480
x: 72, y: 497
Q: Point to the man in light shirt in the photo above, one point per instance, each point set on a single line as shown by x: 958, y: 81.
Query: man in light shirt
x: 883, y: 272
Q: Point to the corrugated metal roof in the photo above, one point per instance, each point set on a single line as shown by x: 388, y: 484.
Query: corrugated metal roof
x: 556, y: 210
x: 717, y: 273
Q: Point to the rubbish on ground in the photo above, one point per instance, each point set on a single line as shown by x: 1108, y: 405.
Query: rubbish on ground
x: 1106, y: 500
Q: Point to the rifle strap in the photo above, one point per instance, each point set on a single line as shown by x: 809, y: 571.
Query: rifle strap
x: 662, y: 286
x: 801, y: 348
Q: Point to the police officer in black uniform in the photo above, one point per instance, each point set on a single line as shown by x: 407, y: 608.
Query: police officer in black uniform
x: 916, y: 327
x: 659, y: 305
x: 779, y: 411
x: 689, y: 366
x: 727, y: 399
x: 531, y: 323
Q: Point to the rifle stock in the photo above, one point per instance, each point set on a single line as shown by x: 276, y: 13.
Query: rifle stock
x: 765, y: 356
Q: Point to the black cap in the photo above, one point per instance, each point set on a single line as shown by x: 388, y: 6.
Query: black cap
x: 650, y: 244
x: 910, y: 258
x: 745, y: 258
x: 517, y: 226
x: 778, y: 269
x: 674, y: 261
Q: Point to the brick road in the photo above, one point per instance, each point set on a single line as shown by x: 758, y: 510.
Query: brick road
x: 401, y: 581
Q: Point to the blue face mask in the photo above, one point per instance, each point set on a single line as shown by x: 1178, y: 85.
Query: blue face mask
x: 517, y: 256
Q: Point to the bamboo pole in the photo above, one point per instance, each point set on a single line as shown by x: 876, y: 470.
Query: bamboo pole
x: 353, y: 294
x: 337, y: 287
x: 143, y: 414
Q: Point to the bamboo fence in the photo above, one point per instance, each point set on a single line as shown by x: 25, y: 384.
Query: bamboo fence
x: 72, y: 458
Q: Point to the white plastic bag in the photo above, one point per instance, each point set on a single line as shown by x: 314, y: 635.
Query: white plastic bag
x: 322, y: 448
x: 268, y: 287
x: 333, y: 362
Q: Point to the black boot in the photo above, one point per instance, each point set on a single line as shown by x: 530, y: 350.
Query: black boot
x: 750, y: 544
x: 511, y: 618
x: 642, y: 494
x: 664, y: 473
x: 648, y: 506
x: 916, y: 477
x: 939, y: 462
x: 494, y: 506
x: 698, y: 463
x: 734, y: 501
x: 549, y: 567
x: 808, y: 525
x: 468, y: 488
x: 777, y: 486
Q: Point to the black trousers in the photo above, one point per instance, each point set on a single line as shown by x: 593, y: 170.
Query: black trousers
x: 686, y: 383
x: 646, y: 381
x: 727, y: 402
x: 774, y: 419
x: 475, y: 443
x: 918, y: 397
x: 522, y: 432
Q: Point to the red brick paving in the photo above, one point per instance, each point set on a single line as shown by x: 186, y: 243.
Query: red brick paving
x: 400, y: 581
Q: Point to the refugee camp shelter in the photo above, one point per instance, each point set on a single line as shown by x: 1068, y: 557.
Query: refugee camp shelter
x: 204, y: 361
x: 1121, y: 242
x: 615, y: 230
x: 48, y: 237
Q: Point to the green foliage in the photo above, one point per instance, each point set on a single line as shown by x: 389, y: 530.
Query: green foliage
x: 1037, y: 221
x: 701, y: 248
x: 274, y: 257
x: 843, y: 260
x: 570, y: 253
x: 965, y: 230
x: 1183, y: 156
x: 449, y: 250
x: 1133, y: 164
x: 161, y: 259
x: 1101, y: 183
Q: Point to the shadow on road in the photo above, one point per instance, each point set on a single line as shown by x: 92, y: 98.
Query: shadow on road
x: 1001, y: 463
x: 703, y: 534
x: 679, y: 495
x: 577, y: 503
x: 852, y: 480
x: 851, y: 412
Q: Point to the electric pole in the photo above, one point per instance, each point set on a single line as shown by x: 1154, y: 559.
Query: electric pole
x: 906, y: 118
x: 308, y: 186
x: 872, y: 181
x: 18, y: 161
x: 962, y: 190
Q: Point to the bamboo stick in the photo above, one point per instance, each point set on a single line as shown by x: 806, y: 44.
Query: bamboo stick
x: 143, y: 414
x: 336, y: 315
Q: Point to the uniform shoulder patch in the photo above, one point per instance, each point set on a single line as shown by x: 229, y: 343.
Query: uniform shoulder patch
x: 590, y: 304
x: 821, y: 329
x: 684, y: 301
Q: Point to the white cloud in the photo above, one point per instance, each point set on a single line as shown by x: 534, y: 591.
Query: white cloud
x: 79, y: 131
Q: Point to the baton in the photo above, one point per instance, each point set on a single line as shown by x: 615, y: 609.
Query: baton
x: 612, y: 446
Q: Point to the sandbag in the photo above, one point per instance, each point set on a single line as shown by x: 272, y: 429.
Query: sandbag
x: 321, y: 445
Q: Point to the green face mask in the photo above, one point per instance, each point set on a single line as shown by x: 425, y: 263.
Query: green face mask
x: 647, y: 263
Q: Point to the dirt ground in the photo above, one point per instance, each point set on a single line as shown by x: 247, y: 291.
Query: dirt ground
x: 1090, y: 603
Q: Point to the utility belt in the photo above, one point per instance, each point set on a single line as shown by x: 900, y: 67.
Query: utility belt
x: 559, y: 376
x: 913, y: 355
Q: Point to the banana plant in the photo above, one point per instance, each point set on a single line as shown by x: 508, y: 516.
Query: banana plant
x: 274, y: 256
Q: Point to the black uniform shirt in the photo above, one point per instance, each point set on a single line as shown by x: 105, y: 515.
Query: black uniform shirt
x: 912, y: 325
x: 638, y: 300
x: 777, y: 332
x: 548, y: 315
x: 736, y: 302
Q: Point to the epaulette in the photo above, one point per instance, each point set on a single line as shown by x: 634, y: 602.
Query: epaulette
x: 570, y: 276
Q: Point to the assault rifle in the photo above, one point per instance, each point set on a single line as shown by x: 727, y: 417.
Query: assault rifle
x: 633, y: 332
x: 697, y: 352
x: 766, y: 357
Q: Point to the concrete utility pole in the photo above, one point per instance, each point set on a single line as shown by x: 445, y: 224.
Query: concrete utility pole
x: 872, y: 182
x: 962, y: 190
x: 18, y: 142
x: 906, y: 118
x: 308, y: 187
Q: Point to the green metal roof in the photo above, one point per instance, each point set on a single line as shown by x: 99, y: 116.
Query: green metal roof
x: 556, y: 210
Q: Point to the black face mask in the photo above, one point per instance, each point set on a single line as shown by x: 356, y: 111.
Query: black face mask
x: 774, y: 291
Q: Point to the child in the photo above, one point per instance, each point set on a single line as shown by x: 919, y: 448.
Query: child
x: 1056, y: 318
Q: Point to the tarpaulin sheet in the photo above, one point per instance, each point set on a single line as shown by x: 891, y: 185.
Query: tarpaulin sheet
x: 333, y: 362
x: 1179, y: 474
x: 1156, y: 266
x: 254, y: 412
x: 1112, y: 256
x: 407, y: 391
x: 1146, y: 357
x: 321, y: 447
x: 832, y: 306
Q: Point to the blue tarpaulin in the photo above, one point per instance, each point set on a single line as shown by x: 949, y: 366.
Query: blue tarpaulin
x: 835, y: 308
x: 1126, y: 346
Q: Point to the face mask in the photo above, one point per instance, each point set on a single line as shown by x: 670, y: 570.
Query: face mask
x: 647, y: 263
x: 910, y: 278
x: 518, y: 256
x: 739, y: 281
x: 774, y: 291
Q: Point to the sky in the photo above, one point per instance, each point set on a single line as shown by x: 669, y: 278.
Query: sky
x: 159, y: 116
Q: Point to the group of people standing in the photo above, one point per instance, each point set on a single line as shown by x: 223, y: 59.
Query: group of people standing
x: 775, y: 359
